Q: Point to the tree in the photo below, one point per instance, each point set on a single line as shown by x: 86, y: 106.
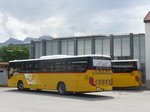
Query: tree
x: 12, y: 52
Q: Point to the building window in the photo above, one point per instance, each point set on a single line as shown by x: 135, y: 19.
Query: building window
x: 98, y: 46
x: 80, y: 47
x: 125, y: 46
x: 122, y: 47
x: 136, y: 47
x: 142, y: 48
x: 64, y: 47
x: 117, y: 46
x: 67, y: 47
x: 84, y: 46
x: 48, y: 48
x: 71, y: 47
x: 38, y: 49
x: 87, y: 46
x: 54, y: 48
x: 51, y: 48
x: 106, y: 46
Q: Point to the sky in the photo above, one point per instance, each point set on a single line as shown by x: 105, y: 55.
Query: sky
x: 64, y: 18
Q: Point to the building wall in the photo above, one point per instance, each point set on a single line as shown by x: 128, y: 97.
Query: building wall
x: 119, y: 46
x: 3, y: 78
x: 147, y: 43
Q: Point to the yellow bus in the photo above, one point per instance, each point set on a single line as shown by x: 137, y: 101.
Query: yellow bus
x: 78, y: 74
x: 126, y: 73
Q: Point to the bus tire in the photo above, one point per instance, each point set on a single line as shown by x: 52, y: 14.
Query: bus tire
x: 61, y: 88
x: 20, y: 85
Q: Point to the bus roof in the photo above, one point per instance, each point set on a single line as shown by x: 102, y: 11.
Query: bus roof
x: 61, y: 57
x: 134, y: 60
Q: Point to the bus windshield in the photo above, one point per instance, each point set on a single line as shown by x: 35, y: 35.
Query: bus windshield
x: 101, y: 63
x: 124, y: 66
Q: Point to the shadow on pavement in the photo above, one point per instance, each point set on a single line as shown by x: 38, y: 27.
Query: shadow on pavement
x: 130, y: 90
x: 88, y: 97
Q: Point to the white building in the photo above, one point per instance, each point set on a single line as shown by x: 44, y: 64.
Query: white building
x: 147, y: 49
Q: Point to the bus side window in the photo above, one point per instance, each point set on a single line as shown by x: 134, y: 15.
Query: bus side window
x: 79, y: 66
x: 69, y: 67
x: 60, y: 66
x: 50, y: 65
x: 32, y: 67
x: 43, y: 66
x: 46, y: 66
x: 20, y: 69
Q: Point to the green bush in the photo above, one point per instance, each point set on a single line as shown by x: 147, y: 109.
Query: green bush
x: 12, y: 52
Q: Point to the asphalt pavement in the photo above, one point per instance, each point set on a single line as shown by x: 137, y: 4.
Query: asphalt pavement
x: 12, y: 100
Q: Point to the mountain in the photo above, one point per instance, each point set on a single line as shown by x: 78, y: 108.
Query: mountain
x: 25, y: 41
x: 11, y: 41
x: 45, y: 37
x: 29, y: 39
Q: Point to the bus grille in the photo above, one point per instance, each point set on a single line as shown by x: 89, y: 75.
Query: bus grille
x: 103, y: 82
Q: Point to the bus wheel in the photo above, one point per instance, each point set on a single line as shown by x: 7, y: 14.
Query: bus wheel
x: 20, y: 86
x: 61, y: 88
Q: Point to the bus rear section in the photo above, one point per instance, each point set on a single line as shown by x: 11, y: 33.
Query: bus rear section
x: 126, y: 73
x: 99, y: 81
x: 100, y: 75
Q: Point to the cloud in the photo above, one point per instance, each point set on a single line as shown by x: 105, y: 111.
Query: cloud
x: 13, y: 27
x: 32, y: 10
x: 3, y: 30
x: 61, y: 18
x: 119, y: 21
